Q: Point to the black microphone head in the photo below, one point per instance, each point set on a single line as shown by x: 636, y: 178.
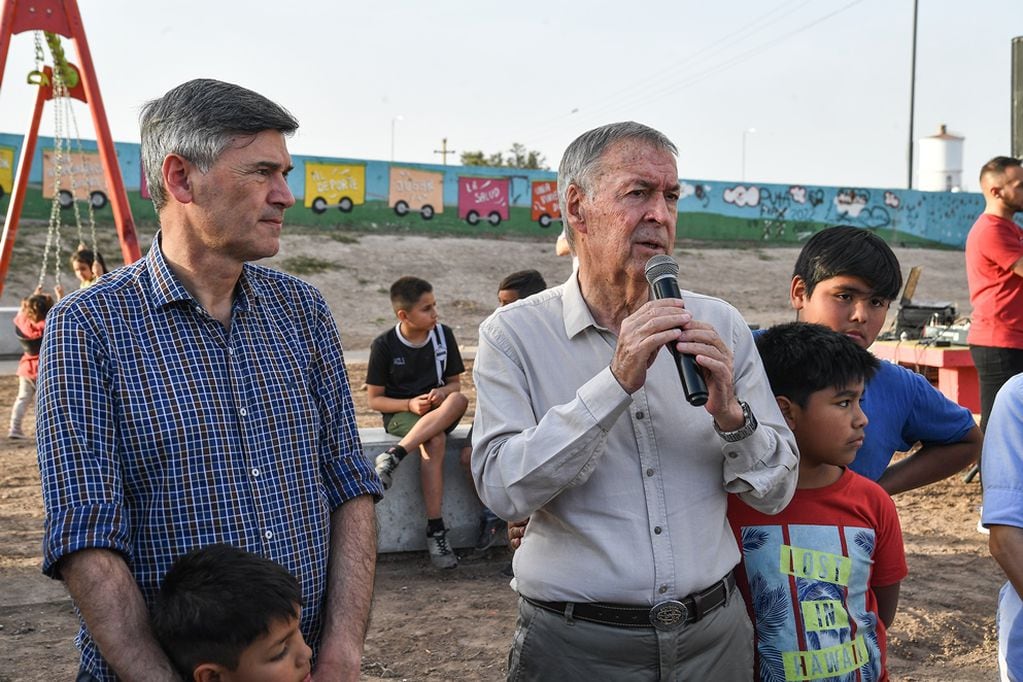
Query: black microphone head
x: 659, y: 267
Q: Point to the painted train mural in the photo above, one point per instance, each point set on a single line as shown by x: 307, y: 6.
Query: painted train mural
x: 339, y: 193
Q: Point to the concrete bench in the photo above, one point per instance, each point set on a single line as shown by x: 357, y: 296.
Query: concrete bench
x: 9, y: 344
x: 401, y: 519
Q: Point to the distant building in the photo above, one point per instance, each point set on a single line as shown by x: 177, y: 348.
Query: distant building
x: 941, y: 162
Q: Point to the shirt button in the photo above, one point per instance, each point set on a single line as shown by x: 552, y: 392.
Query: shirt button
x: 657, y: 530
x: 268, y: 535
x: 732, y: 454
x: 662, y: 589
x: 649, y: 472
x: 639, y: 415
x: 230, y: 351
x: 244, y: 412
x: 255, y: 472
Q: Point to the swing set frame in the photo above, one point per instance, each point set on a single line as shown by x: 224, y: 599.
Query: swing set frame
x: 62, y: 17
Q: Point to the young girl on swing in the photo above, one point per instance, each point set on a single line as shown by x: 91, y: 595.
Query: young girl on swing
x: 28, y: 324
x: 88, y: 266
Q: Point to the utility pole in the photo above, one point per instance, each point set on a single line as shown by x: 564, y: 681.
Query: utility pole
x: 912, y: 101
x: 444, y: 151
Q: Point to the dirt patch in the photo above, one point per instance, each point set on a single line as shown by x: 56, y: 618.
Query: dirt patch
x: 457, y: 625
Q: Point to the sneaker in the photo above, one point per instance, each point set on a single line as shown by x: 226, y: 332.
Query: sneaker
x: 386, y: 463
x: 441, y: 554
x: 980, y: 523
x: 491, y: 528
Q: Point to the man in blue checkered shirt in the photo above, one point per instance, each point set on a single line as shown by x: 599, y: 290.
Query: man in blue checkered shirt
x: 194, y: 398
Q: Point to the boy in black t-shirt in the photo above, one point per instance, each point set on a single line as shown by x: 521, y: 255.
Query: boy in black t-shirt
x: 413, y: 379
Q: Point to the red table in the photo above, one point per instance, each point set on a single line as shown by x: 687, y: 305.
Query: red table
x: 956, y: 375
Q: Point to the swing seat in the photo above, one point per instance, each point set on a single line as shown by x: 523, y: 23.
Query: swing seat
x: 30, y: 346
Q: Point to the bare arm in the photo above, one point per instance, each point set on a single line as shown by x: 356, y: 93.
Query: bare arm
x: 111, y: 604
x: 932, y: 463
x: 1006, y: 545
x: 1017, y: 267
x: 350, y: 573
x: 887, y: 603
x: 381, y: 403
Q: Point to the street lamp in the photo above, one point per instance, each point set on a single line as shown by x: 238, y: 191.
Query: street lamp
x: 744, y: 134
x: 394, y: 120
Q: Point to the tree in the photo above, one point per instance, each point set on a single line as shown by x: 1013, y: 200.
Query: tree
x: 518, y: 157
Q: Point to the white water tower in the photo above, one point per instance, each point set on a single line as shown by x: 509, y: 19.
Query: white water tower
x: 941, y: 162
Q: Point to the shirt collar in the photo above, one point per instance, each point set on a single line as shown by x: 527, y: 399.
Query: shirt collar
x: 577, y: 314
x: 168, y: 289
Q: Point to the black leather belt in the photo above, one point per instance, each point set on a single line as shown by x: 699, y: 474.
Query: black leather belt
x: 666, y: 615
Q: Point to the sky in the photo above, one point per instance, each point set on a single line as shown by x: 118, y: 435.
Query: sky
x: 772, y: 91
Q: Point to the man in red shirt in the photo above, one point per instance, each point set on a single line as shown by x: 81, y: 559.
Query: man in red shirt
x: 994, y: 270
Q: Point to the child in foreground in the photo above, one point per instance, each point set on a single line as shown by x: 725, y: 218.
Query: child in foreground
x: 821, y: 578
x: 28, y: 325
x: 227, y: 615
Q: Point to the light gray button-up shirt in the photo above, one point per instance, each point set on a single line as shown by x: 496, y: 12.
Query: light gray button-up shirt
x: 626, y: 494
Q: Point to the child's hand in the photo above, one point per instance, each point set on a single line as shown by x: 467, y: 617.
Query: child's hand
x: 420, y: 405
x: 435, y: 397
x: 59, y: 290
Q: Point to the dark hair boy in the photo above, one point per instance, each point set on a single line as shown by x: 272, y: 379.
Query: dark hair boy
x: 820, y: 578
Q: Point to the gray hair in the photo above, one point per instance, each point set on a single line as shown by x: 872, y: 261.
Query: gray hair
x: 581, y: 160
x: 198, y: 120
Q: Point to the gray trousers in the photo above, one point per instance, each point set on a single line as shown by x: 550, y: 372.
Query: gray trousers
x: 26, y: 396
x: 549, y: 647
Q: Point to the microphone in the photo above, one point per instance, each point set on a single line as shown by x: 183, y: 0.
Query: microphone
x: 662, y: 274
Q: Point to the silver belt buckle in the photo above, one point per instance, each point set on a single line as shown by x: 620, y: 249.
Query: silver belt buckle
x: 668, y: 615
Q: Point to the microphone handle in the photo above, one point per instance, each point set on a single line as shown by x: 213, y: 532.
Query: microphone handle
x: 693, y: 385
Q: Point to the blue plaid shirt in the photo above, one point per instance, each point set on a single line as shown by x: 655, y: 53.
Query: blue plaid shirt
x: 159, y: 431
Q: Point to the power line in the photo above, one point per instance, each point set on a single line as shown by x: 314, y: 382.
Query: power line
x: 709, y: 71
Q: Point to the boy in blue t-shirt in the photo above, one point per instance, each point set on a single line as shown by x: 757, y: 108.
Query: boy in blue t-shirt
x: 845, y: 278
x: 414, y: 380
x: 821, y: 577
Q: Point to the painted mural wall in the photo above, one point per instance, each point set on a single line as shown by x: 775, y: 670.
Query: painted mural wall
x: 362, y: 194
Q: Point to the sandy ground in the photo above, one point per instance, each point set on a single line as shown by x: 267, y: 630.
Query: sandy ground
x: 457, y: 625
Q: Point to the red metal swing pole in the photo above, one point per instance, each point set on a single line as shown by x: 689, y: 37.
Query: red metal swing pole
x: 111, y: 168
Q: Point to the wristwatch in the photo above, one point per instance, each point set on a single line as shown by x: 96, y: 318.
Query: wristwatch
x: 749, y: 425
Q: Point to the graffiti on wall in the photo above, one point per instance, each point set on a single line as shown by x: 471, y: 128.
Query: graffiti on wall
x: 793, y: 212
x: 334, y: 185
x: 483, y: 198
x: 6, y: 170
x: 81, y: 176
x: 527, y: 200
x: 416, y: 191
x: 545, y: 208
